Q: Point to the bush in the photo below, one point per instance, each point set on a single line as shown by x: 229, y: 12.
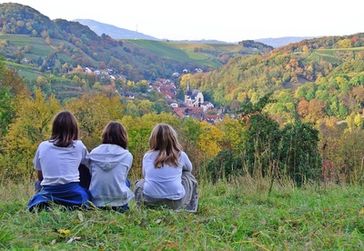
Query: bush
x: 225, y: 164
x: 299, y: 155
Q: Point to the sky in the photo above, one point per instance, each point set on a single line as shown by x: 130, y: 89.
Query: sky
x: 226, y: 20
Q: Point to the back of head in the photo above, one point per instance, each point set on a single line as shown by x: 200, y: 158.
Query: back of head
x: 64, y: 129
x: 164, y: 139
x: 115, y: 133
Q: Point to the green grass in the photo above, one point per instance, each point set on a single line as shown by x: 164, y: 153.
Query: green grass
x: 28, y: 72
x: 236, y: 216
x: 162, y: 49
x: 204, y: 54
x: 342, y: 49
x: 39, y: 48
x: 330, y: 55
x: 38, y: 45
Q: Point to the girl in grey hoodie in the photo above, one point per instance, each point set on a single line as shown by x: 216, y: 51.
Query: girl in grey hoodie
x: 110, y: 163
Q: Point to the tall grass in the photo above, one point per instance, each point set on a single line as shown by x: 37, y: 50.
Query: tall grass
x: 233, y: 215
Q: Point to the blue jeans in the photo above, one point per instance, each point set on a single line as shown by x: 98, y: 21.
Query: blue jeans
x: 71, y: 195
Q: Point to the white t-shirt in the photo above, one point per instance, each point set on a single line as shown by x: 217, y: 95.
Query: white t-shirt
x: 164, y: 182
x: 59, y: 165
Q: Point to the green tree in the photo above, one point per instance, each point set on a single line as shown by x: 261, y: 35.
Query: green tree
x: 299, y: 154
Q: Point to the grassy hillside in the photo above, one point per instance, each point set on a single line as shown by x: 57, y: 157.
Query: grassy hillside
x: 62, y: 88
x: 230, y: 217
x: 204, y: 54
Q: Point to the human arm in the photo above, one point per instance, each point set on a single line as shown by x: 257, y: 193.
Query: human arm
x: 39, y: 175
x: 129, y: 161
x: 37, y: 165
x: 85, y: 156
x: 144, y: 164
x: 187, y: 165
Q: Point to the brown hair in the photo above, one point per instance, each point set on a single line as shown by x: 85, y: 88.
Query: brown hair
x: 164, y: 139
x: 115, y: 133
x: 64, y: 129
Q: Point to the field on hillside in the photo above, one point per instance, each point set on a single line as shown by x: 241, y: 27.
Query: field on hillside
x: 171, y: 50
x: 198, y: 53
x: 230, y: 216
x: 35, y: 47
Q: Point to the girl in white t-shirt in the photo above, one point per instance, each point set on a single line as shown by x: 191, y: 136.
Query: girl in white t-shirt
x: 168, y: 180
x: 57, y: 161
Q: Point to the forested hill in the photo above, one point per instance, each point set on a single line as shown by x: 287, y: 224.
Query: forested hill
x: 32, y: 38
x: 329, y: 70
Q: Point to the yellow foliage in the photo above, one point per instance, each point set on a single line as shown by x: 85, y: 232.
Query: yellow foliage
x: 64, y: 232
x: 209, y: 139
x: 344, y: 43
x: 93, y: 112
x: 361, y: 212
x: 233, y: 134
x: 31, y: 126
x: 354, y: 120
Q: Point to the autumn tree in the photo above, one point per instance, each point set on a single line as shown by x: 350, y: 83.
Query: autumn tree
x: 31, y: 126
x: 93, y: 112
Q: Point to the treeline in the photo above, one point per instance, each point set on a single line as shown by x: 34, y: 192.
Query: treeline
x: 250, y: 144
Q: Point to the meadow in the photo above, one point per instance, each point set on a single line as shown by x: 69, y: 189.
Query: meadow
x: 234, y: 215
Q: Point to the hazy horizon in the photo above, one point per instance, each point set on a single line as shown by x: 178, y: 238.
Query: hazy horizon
x: 226, y: 20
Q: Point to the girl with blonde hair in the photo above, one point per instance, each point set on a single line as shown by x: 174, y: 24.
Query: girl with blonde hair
x: 166, y: 168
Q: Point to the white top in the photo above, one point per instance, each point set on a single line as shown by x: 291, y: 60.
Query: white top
x: 164, y: 182
x: 59, y: 165
x: 109, y: 166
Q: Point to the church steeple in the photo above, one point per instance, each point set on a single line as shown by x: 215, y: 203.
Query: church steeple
x: 188, y: 89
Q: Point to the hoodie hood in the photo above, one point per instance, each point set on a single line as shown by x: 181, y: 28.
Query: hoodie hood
x: 107, y: 156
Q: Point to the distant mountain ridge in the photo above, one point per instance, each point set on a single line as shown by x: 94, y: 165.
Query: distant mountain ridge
x: 202, y: 41
x: 113, y: 31
x: 281, y: 41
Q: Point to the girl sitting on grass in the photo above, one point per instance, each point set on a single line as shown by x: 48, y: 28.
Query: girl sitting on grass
x: 110, y: 163
x: 168, y: 180
x: 57, y: 161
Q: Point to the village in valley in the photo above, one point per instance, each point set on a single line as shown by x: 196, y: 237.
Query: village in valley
x: 193, y: 105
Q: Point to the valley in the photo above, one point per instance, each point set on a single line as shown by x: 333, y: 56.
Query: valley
x: 273, y: 127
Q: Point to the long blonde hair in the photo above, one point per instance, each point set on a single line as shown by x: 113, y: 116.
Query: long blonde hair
x: 164, y: 139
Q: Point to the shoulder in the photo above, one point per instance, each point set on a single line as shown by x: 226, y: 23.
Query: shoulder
x: 149, y: 155
x: 97, y: 149
x: 45, y: 144
x: 128, y: 154
x: 183, y: 155
x: 79, y: 144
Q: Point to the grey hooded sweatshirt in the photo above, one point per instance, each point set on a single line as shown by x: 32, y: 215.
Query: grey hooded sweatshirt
x: 109, y: 166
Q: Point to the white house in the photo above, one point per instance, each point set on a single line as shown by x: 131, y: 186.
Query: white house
x: 193, y: 98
